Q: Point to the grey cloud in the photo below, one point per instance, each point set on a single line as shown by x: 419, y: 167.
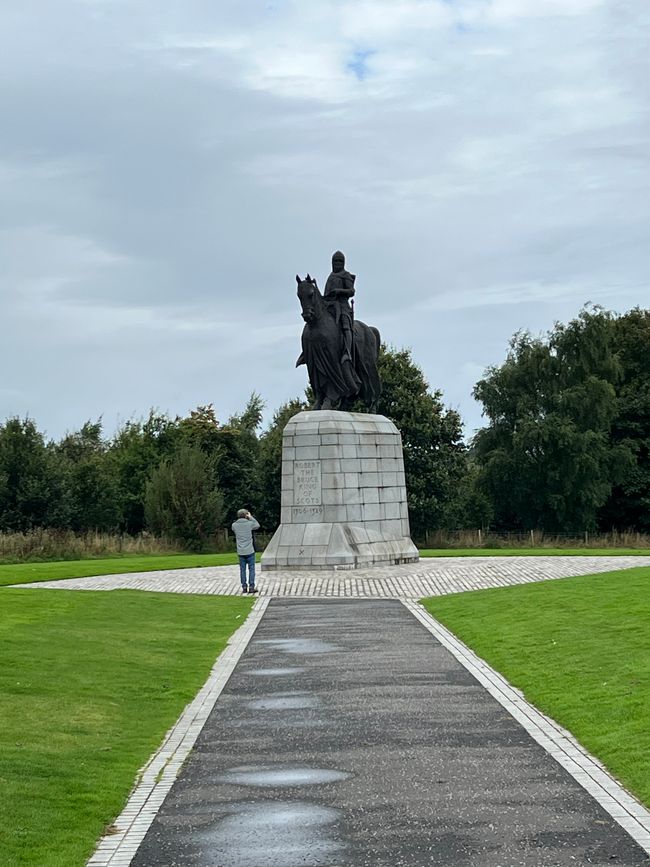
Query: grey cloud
x: 167, y: 168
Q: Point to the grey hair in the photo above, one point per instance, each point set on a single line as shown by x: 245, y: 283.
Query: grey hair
x: 242, y: 513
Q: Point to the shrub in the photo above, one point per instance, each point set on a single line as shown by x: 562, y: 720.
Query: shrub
x: 182, y: 500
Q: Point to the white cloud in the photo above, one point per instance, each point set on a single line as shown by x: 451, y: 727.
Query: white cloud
x: 383, y: 23
x: 501, y: 10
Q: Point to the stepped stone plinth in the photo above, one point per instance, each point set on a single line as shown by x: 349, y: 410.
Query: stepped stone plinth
x: 344, y: 500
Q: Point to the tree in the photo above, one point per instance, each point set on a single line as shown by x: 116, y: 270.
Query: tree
x: 434, y: 454
x: 628, y: 507
x: 182, y: 500
x: 31, y: 492
x: 270, y: 464
x: 470, y: 507
x: 91, y: 486
x: 234, y: 449
x: 238, y: 467
x: 546, y: 457
x: 135, y: 452
x: 251, y: 418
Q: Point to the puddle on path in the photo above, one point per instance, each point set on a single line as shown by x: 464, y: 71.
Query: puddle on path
x: 317, y: 624
x: 298, y: 721
x: 275, y: 672
x: 264, y: 776
x: 299, y: 645
x: 273, y: 834
x: 284, y: 701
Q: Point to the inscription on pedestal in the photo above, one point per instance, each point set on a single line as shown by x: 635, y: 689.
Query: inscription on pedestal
x: 307, y: 514
x: 307, y: 483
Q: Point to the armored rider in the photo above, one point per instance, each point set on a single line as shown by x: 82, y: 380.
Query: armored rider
x: 338, y: 291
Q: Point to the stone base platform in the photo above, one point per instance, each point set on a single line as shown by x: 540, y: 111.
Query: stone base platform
x: 343, y: 494
x: 335, y: 546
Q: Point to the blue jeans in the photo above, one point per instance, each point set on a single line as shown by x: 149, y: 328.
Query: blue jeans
x: 245, y: 559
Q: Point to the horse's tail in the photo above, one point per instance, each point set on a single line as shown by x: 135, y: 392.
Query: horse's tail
x: 375, y: 331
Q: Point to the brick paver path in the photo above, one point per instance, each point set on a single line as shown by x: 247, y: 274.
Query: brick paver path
x: 433, y: 576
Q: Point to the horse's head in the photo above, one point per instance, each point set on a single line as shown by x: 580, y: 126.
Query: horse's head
x: 309, y: 298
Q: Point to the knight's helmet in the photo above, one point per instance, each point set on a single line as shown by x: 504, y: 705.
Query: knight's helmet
x: 339, y: 257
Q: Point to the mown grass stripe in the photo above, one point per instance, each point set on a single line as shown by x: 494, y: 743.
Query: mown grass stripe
x: 579, y: 649
x: 89, y: 684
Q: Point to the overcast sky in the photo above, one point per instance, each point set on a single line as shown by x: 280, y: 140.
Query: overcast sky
x: 167, y: 166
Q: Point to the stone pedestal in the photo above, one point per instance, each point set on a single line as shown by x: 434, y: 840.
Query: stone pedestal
x: 343, y: 494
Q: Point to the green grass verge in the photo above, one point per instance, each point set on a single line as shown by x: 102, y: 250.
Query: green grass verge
x: 25, y: 573
x: 533, y: 552
x: 89, y: 684
x: 579, y: 648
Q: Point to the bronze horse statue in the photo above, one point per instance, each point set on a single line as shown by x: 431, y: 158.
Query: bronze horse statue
x: 336, y: 384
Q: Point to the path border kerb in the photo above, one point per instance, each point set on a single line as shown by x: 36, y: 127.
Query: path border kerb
x: 159, y: 774
x: 630, y: 814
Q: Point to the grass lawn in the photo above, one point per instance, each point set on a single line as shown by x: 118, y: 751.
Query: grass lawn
x: 579, y: 648
x: 89, y: 684
x: 533, y: 552
x: 25, y: 573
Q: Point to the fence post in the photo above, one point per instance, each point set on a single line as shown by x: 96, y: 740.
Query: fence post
x: 586, y: 538
x: 480, y: 543
x: 532, y: 538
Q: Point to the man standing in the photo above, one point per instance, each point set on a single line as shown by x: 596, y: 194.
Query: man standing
x: 338, y: 291
x: 243, y: 529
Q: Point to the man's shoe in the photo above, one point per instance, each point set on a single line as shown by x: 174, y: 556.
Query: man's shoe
x: 252, y: 590
x: 244, y: 590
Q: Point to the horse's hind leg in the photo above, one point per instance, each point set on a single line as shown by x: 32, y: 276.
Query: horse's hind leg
x: 374, y: 393
x: 371, y: 389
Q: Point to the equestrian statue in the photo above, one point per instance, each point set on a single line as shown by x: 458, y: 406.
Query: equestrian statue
x: 340, y: 351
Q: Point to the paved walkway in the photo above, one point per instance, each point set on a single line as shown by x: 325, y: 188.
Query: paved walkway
x: 433, y: 576
x: 349, y: 735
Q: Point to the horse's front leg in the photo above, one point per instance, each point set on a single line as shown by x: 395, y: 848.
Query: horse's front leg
x: 317, y: 402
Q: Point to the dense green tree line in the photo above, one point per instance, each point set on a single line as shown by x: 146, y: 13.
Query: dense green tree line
x: 565, y: 448
x: 567, y: 443
x: 184, y: 477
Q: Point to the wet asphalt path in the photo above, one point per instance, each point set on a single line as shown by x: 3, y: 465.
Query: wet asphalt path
x: 348, y: 736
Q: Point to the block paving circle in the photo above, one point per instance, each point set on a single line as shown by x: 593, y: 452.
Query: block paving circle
x: 432, y: 576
